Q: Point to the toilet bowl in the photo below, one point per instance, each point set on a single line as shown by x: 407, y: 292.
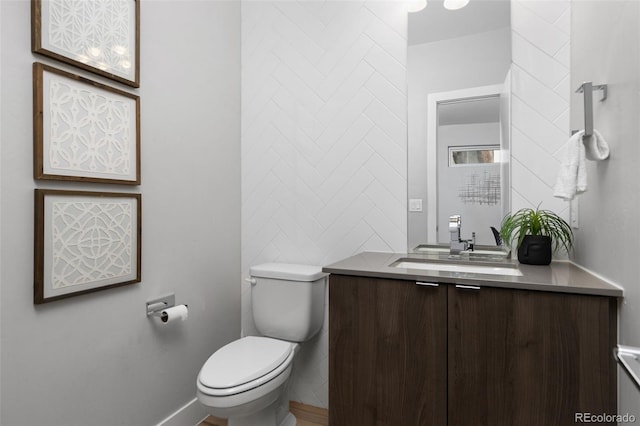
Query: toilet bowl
x: 245, y: 377
x: 246, y: 380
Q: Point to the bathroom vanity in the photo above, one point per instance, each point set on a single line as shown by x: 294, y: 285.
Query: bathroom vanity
x: 412, y: 346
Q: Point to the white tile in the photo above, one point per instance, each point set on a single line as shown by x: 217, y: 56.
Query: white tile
x: 389, y: 67
x: 388, y: 39
x: 564, y: 55
x: 299, y: 40
x: 535, y: 29
x: 539, y: 129
x: 394, y: 237
x: 394, y: 211
x: 347, y: 25
x: 549, y: 10
x: 384, y: 173
x: 302, y: 17
x: 305, y: 95
x: 252, y: 131
x: 340, y: 39
x: 563, y: 88
x: 304, y: 69
x: 375, y: 243
x: 532, y: 156
x: 538, y: 96
x: 343, y: 197
x: 343, y: 146
x: 260, y: 100
x: 392, y: 13
x: 345, y: 92
x: 532, y: 189
x: 389, y: 95
x: 537, y: 63
x: 388, y: 123
x: 350, y: 213
x: 392, y: 153
x: 343, y: 172
x: 253, y: 180
x: 344, y: 67
x: 344, y: 120
x: 259, y: 195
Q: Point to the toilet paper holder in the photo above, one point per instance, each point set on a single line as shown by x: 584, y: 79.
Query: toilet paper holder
x: 159, y: 304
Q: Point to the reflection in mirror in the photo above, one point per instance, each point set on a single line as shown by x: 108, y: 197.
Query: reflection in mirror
x: 458, y: 163
x: 467, y: 166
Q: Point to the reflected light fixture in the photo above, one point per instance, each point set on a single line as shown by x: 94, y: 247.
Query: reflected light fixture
x: 416, y: 5
x: 455, y: 4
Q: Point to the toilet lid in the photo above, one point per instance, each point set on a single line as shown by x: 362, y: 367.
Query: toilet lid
x: 243, y: 361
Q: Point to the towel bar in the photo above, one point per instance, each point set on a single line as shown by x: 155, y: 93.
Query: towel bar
x: 587, y: 88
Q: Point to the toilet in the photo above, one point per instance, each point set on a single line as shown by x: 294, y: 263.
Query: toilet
x: 246, y: 380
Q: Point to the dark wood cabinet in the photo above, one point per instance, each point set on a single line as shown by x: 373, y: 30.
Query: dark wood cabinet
x: 387, y: 352
x: 528, y: 357
x: 405, y: 354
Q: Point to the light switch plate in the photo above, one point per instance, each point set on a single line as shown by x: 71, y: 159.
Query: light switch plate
x: 415, y: 204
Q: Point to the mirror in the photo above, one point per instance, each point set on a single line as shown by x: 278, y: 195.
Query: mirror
x: 458, y: 64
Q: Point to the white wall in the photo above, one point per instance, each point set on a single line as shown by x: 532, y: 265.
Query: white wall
x: 605, y: 48
x: 479, y: 60
x: 97, y: 359
x: 323, y: 143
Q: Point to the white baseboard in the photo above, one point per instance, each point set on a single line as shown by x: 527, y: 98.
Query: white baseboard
x: 190, y: 414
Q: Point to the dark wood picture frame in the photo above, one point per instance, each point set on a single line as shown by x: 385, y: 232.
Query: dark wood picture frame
x: 91, y: 61
x: 42, y: 123
x: 78, y: 216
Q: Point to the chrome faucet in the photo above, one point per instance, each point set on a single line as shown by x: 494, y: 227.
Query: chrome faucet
x: 457, y: 244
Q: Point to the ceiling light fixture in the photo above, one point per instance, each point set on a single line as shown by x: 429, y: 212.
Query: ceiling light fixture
x: 416, y: 5
x: 455, y: 4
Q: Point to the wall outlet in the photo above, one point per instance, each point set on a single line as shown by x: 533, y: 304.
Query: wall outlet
x: 415, y: 204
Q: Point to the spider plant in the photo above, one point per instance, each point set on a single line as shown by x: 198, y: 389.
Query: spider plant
x: 536, y: 221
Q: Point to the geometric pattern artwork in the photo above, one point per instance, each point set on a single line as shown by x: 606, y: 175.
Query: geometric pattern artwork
x: 100, y: 36
x: 324, y: 143
x: 91, y: 241
x: 84, y: 131
x: 90, y: 132
x: 85, y: 242
x: 480, y: 189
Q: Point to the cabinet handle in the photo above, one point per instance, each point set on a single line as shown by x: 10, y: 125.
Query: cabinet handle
x: 467, y: 287
x: 427, y: 284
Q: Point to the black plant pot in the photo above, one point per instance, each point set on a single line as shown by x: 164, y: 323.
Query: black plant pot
x: 535, y: 250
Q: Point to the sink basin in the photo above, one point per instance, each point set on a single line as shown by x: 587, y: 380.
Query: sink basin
x: 481, y: 252
x: 455, y: 267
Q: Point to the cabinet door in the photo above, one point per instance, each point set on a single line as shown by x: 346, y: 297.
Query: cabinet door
x: 529, y: 358
x: 387, y: 352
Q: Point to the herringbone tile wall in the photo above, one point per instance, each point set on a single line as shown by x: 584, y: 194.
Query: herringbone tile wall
x: 540, y: 101
x: 324, y: 139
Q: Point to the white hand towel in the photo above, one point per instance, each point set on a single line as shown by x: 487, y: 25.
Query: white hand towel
x: 596, y: 148
x: 572, y: 177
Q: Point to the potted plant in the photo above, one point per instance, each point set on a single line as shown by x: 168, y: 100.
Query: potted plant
x: 537, y: 234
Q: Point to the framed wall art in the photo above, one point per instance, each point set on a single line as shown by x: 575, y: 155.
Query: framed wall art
x: 102, y: 37
x: 85, y: 242
x: 84, y: 130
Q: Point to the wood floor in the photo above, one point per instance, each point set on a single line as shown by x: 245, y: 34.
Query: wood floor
x: 307, y: 415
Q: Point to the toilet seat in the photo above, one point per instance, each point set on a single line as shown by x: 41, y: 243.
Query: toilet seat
x: 243, y: 365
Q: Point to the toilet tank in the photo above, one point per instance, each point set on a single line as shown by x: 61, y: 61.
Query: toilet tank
x: 288, y: 300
